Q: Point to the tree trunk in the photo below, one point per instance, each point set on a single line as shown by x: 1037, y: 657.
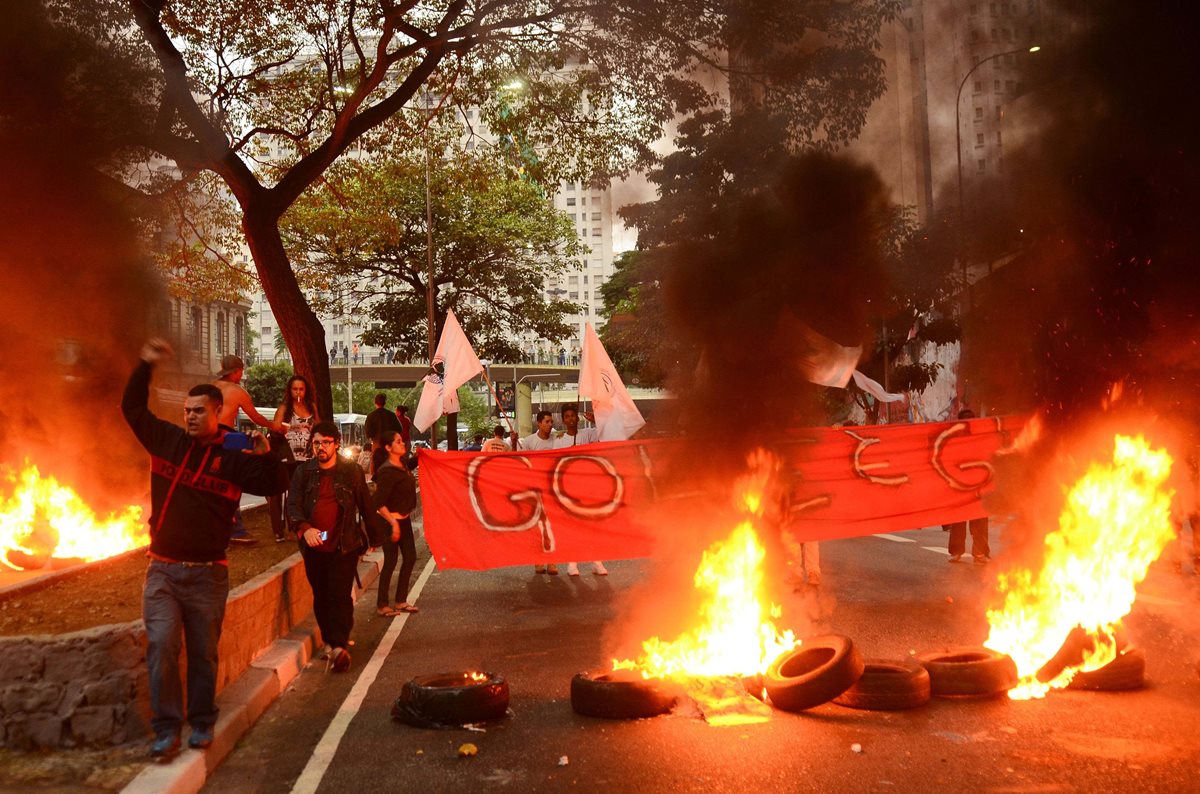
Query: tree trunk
x: 301, y: 328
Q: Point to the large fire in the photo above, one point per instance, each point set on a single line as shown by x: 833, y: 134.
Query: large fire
x: 42, y: 519
x: 734, y: 634
x: 1115, y: 523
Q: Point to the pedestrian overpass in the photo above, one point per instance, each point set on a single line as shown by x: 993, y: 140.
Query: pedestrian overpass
x: 402, y: 376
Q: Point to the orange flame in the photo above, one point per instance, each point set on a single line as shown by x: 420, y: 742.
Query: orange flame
x: 1115, y: 523
x: 43, y: 519
x: 735, y: 634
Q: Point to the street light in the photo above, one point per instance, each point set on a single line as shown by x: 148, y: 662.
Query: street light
x: 958, y: 123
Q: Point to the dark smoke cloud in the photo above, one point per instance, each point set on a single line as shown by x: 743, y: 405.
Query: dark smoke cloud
x: 73, y: 285
x: 1108, y: 192
x: 804, y: 250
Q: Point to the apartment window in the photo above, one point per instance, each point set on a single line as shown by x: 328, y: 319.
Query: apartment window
x: 992, y: 7
x: 979, y: 139
x: 1010, y: 86
x: 267, y: 332
x: 585, y: 278
x: 583, y: 200
x: 978, y: 113
x: 974, y: 8
x: 996, y: 86
x: 999, y: 112
x: 239, y: 336
x: 995, y: 34
x: 976, y: 36
x: 470, y: 113
x: 222, y: 340
x: 572, y: 295
x: 573, y: 280
x: 571, y: 201
x: 586, y: 295
x: 586, y: 311
x: 596, y: 231
x: 978, y: 86
x: 998, y: 141
x: 571, y: 186
x: 595, y: 216
x: 981, y: 165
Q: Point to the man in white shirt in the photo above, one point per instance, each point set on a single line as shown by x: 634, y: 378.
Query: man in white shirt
x: 575, y: 436
x: 543, y: 438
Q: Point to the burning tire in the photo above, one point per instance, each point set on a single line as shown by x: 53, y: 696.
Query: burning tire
x: 448, y: 700
x: 969, y: 671
x: 1127, y: 671
x: 888, y: 686
x: 619, y: 695
x: 815, y: 673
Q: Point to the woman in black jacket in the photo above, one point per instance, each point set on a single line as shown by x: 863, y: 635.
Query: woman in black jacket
x: 395, y: 499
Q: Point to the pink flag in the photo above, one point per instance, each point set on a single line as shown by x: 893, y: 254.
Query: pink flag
x: 617, y: 418
x: 459, y: 363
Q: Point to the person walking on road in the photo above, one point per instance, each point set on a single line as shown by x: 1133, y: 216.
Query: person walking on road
x: 395, y: 499
x: 328, y: 503
x: 575, y: 436
x: 195, y: 485
x: 298, y: 414
x: 380, y: 421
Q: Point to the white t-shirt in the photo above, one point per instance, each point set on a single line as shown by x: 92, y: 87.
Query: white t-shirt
x: 533, y: 442
x: 584, y: 435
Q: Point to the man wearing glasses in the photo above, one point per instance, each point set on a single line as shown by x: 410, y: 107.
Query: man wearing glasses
x: 327, y: 505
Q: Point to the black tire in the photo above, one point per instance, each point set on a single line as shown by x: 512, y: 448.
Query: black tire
x: 818, y: 671
x: 620, y: 695
x: 1076, y: 646
x: 969, y: 671
x: 888, y: 686
x: 1127, y: 671
x: 451, y: 700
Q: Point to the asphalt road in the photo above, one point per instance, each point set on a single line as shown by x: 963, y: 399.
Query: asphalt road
x: 891, y: 596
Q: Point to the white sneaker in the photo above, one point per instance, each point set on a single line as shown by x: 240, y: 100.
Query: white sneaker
x: 572, y: 569
x: 600, y: 570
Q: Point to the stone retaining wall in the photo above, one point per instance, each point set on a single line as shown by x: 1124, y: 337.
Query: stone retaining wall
x: 91, y: 686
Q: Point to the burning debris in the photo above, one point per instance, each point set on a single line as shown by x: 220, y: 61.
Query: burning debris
x: 41, y: 519
x: 1116, y: 522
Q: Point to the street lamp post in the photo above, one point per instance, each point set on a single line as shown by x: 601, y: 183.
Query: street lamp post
x: 958, y: 122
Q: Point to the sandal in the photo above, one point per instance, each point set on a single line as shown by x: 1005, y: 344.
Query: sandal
x: 386, y: 612
x: 407, y: 608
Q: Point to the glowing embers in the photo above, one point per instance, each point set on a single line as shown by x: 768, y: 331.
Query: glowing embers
x: 41, y: 519
x: 734, y: 636
x: 1116, y: 522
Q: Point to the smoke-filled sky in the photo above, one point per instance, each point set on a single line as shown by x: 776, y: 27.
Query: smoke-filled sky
x: 74, y: 291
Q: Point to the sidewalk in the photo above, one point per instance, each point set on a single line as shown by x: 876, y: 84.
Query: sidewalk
x: 243, y: 702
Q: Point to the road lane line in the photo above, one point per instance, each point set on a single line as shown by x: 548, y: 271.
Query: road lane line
x: 322, y: 755
x: 896, y: 538
x: 941, y: 549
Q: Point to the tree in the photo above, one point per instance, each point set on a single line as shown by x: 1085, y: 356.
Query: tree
x: 267, y: 383
x: 361, y: 236
x: 231, y: 82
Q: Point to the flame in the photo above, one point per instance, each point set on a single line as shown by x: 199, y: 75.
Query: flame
x: 1115, y: 523
x: 43, y: 519
x: 735, y: 634
x: 477, y: 677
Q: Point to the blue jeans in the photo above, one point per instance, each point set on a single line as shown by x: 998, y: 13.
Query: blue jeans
x: 182, y: 602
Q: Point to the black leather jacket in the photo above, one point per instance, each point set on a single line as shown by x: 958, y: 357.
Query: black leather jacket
x: 350, y: 490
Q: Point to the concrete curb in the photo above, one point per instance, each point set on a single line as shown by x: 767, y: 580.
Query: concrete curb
x: 243, y: 702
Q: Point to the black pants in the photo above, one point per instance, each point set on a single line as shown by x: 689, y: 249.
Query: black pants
x: 979, y: 537
x: 331, y: 576
x: 407, y: 548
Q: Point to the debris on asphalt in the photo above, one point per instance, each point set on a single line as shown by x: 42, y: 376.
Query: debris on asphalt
x: 949, y: 599
x: 467, y: 750
x: 563, y: 761
x: 856, y: 748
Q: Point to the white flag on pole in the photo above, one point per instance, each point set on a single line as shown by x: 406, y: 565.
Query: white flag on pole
x: 825, y: 362
x: 873, y: 388
x: 617, y: 418
x: 459, y: 363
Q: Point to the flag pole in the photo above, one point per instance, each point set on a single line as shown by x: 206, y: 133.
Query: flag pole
x: 496, y: 397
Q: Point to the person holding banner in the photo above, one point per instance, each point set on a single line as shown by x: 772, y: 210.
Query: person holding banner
x: 574, y: 436
x: 980, y: 550
x: 542, y: 438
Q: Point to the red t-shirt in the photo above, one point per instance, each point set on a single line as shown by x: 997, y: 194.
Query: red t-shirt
x: 325, y: 511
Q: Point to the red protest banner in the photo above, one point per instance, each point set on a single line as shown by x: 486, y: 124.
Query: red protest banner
x: 590, y: 503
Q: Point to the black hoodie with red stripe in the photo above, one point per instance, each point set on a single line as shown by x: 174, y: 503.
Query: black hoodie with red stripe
x: 194, y: 488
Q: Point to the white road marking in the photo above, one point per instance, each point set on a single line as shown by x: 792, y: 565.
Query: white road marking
x: 941, y: 549
x: 896, y: 538
x: 322, y: 755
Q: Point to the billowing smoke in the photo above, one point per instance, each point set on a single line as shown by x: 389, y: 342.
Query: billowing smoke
x: 74, y: 289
